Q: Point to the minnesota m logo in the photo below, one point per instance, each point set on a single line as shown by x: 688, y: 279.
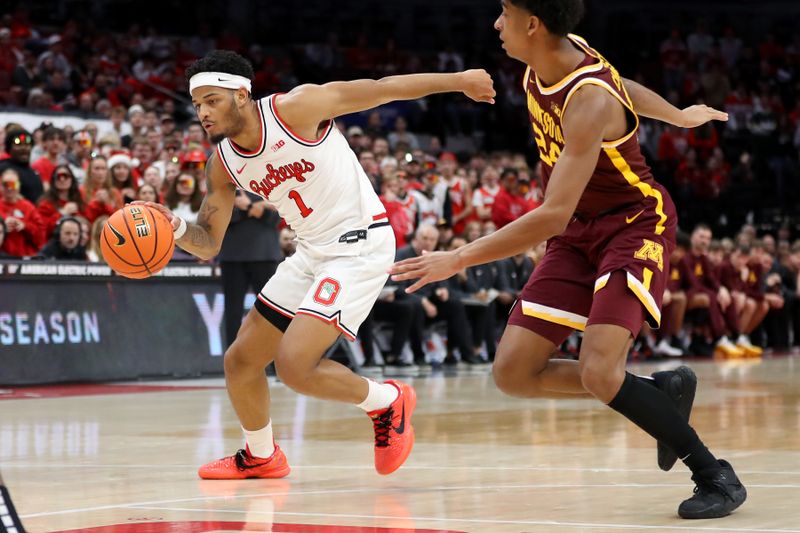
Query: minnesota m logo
x: 651, y: 251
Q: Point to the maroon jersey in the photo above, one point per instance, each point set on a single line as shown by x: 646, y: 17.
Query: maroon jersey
x: 678, y: 278
x: 700, y: 273
x: 729, y: 277
x: 622, y: 178
x: 753, y: 282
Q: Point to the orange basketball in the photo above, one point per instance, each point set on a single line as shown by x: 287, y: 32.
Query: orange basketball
x: 137, y: 241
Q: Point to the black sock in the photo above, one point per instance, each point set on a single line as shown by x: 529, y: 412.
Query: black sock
x: 650, y: 409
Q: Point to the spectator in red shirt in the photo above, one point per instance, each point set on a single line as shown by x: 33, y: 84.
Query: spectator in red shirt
x: 3, y: 232
x: 511, y: 202
x: 55, y: 144
x: 704, y: 139
x: 101, y: 198
x: 62, y: 199
x: 484, y: 197
x: 398, y: 216
x: 119, y: 165
x: 689, y: 172
x: 674, y: 54
x: 25, y: 236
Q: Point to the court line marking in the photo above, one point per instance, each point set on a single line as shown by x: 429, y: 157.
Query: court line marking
x: 401, y: 490
x: 591, y: 525
x: 405, y: 467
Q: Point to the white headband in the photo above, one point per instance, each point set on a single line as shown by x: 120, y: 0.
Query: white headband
x: 219, y: 79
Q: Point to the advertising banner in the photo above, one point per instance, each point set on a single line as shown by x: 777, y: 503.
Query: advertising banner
x: 76, y: 323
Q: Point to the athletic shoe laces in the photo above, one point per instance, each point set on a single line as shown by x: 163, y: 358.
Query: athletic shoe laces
x: 383, y: 425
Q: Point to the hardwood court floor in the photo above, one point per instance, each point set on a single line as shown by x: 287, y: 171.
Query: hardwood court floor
x: 482, y: 462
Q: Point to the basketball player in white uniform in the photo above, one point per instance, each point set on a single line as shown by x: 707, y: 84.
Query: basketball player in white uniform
x: 287, y: 149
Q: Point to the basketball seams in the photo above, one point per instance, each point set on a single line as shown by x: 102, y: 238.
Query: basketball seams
x: 167, y: 253
x: 155, y: 233
x: 133, y: 241
x: 118, y: 255
x: 111, y: 249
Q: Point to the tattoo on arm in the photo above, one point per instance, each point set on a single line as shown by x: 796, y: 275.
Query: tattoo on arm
x: 198, y: 236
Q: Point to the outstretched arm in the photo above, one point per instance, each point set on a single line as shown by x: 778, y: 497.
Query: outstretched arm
x: 306, y: 106
x: 204, y: 239
x: 649, y: 104
x: 585, y: 122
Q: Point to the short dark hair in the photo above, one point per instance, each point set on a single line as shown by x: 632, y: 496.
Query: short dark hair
x: 222, y: 61
x: 560, y: 17
x: 52, y: 132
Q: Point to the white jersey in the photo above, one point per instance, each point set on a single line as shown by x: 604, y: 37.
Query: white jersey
x: 318, y: 187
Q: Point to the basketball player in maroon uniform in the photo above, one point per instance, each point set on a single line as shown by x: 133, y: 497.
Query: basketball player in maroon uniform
x: 610, y: 229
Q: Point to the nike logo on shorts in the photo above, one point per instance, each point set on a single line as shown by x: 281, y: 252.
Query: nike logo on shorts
x: 628, y: 220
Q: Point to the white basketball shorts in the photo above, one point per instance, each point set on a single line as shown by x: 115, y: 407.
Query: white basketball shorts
x: 337, y: 283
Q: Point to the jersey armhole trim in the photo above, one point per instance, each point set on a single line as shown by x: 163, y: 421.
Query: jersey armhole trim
x: 224, y: 163
x: 288, y: 130
x: 628, y: 107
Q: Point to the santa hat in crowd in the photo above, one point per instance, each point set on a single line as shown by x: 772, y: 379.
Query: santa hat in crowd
x: 122, y: 158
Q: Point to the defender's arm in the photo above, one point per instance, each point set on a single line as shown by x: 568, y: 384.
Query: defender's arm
x: 584, y: 124
x: 649, y: 104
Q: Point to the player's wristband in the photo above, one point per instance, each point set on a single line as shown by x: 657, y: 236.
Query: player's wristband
x: 178, y: 233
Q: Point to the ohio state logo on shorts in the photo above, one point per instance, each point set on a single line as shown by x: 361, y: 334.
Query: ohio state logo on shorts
x: 327, y: 291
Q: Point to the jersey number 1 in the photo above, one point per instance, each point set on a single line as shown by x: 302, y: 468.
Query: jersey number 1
x: 301, y: 205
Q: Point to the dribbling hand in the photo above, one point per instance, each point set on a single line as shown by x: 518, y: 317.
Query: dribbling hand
x: 697, y: 115
x: 478, y: 85
x: 175, y: 221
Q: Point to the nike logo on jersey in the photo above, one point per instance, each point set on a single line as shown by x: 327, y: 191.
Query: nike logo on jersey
x: 241, y: 169
x: 628, y: 220
x: 118, y: 235
x: 220, y: 79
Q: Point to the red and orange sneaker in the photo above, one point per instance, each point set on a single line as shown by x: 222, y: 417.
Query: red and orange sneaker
x: 242, y: 465
x: 394, y: 434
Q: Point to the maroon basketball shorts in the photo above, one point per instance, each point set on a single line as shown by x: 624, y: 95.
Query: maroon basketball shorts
x: 608, y: 270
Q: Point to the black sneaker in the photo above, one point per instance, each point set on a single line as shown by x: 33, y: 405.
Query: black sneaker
x: 715, y: 495
x: 679, y: 385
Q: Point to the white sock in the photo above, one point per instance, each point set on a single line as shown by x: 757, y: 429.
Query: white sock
x: 380, y: 396
x: 260, y: 442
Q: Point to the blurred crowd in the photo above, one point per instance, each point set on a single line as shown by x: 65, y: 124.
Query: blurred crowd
x: 447, y: 171
x: 745, y: 170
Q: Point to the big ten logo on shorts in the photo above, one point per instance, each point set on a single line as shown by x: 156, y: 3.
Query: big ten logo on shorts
x: 140, y: 222
x: 327, y: 291
x: 651, y: 251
